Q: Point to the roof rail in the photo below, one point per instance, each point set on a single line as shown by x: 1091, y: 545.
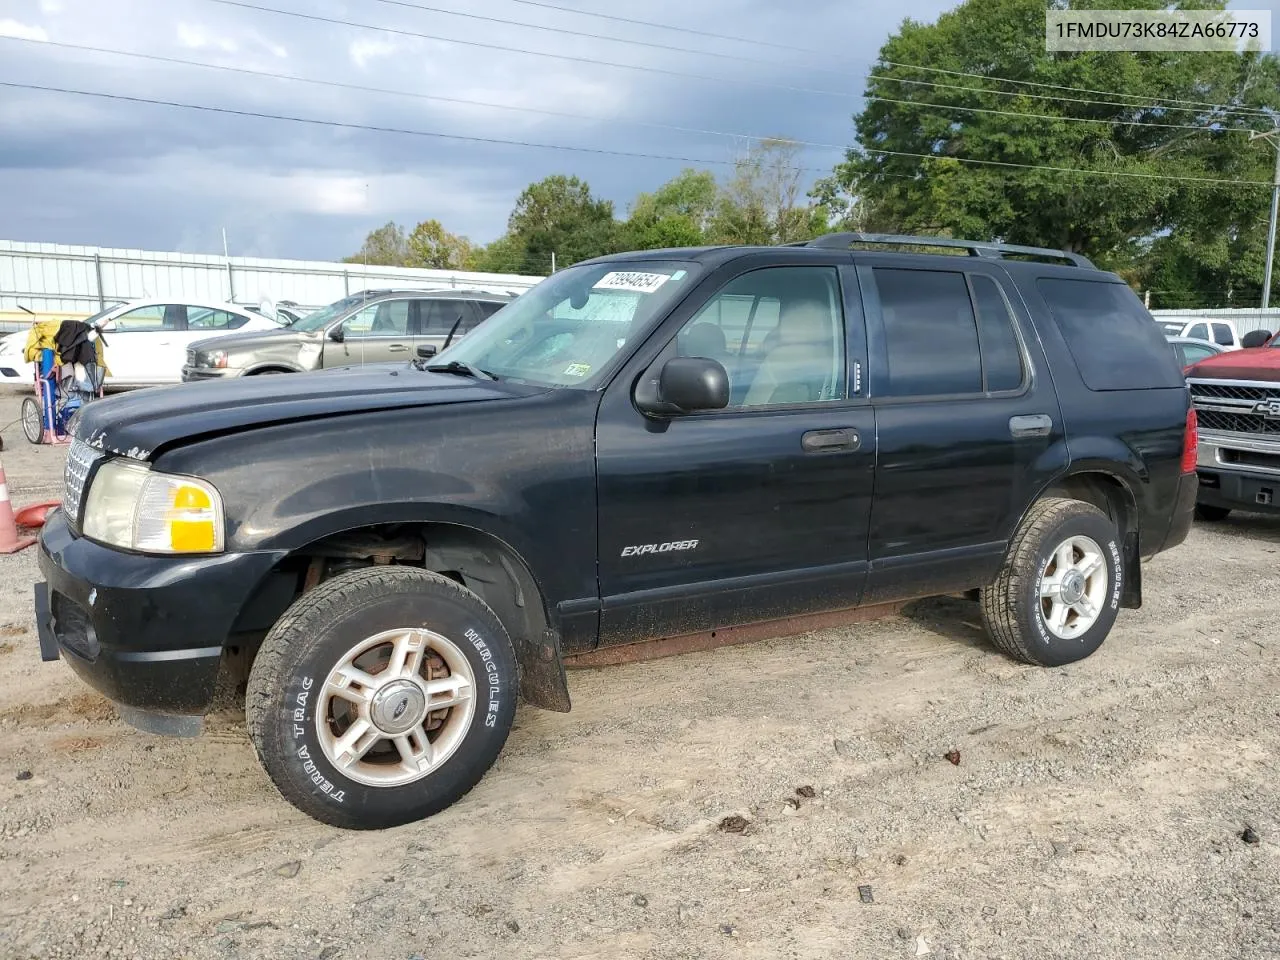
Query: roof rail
x: 976, y: 248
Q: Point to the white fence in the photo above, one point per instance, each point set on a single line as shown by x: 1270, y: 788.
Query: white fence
x: 57, y: 278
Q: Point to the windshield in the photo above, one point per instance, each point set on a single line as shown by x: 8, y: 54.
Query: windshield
x: 1171, y: 329
x: 325, y: 315
x: 569, y: 328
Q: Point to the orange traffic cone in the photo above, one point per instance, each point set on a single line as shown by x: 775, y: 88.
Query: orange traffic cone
x: 10, y: 542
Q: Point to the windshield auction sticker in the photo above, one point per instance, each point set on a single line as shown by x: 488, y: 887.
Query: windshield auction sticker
x: 1227, y: 31
x: 638, y: 282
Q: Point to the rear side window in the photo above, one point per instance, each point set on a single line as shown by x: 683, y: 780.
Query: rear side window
x: 1110, y: 335
x: 1222, y: 335
x: 930, y: 332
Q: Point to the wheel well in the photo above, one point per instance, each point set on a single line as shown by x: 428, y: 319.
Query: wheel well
x: 1103, y: 491
x: 1116, y: 500
x: 482, y: 563
x: 270, y: 368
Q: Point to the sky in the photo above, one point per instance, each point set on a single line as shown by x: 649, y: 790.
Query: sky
x: 83, y: 170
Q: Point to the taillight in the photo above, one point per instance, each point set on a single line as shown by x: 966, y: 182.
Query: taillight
x: 1190, y: 442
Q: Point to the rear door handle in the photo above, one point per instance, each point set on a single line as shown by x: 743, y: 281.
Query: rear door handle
x: 1032, y: 425
x: 397, y: 348
x: 830, y: 441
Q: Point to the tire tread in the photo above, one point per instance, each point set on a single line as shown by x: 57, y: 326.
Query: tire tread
x: 267, y: 674
x: 999, y: 600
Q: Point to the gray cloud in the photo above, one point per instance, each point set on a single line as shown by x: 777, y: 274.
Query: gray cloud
x: 81, y: 170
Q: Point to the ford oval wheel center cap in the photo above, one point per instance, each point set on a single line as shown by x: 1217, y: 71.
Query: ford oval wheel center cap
x: 398, y: 707
x: 1073, y: 586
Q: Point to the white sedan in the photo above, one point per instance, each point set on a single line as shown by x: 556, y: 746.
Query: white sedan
x: 146, y: 340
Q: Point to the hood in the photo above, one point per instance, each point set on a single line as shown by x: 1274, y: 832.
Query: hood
x: 1256, y: 363
x: 140, y: 423
x: 252, y: 338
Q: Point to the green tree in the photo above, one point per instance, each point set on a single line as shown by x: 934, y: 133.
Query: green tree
x: 431, y: 245
x: 763, y: 201
x: 1114, y: 219
x: 386, y: 246
x: 507, y: 254
x: 559, y: 215
x: 677, y: 214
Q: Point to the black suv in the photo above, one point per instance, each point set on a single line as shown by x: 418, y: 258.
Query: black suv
x: 645, y: 447
x: 375, y: 326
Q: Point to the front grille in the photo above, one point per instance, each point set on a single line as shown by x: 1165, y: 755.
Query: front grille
x: 1224, y: 391
x: 1237, y: 407
x: 80, y: 460
x: 1237, y: 422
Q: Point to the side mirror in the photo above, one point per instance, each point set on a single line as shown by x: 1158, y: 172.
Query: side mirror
x: 1255, y: 338
x: 426, y: 351
x: 687, y: 385
x: 337, y: 334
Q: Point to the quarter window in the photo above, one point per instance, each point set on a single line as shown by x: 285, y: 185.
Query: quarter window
x: 1001, y: 356
x: 778, y: 332
x: 200, y: 318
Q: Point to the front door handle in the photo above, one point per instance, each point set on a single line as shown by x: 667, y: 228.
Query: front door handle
x: 397, y: 348
x: 830, y: 441
x: 1032, y: 425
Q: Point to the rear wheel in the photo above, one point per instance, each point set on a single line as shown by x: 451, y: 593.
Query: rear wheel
x: 381, y: 697
x: 1058, y: 594
x: 1210, y: 514
x: 32, y: 420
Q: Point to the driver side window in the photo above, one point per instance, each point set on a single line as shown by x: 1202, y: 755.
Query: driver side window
x: 779, y: 334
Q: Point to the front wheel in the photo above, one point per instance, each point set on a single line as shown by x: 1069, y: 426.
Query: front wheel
x: 381, y: 697
x: 32, y: 420
x: 1058, y: 594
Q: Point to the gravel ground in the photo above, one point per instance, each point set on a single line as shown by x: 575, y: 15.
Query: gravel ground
x: 1095, y: 811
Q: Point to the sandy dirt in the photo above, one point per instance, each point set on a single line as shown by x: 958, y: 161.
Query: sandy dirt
x: 1096, y: 810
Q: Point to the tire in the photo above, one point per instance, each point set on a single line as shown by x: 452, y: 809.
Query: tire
x: 1017, y: 615
x: 1211, y: 514
x: 299, y: 709
x: 32, y: 420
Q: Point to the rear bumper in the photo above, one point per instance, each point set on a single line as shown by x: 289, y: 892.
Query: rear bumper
x: 146, y: 632
x: 1183, y: 512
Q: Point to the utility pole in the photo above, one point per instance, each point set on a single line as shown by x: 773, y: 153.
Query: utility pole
x: 553, y: 261
x: 1272, y: 137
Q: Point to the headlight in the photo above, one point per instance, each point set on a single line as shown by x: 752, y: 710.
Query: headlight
x: 212, y: 358
x: 132, y: 507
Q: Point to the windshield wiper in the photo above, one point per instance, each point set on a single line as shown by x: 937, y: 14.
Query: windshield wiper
x: 461, y: 369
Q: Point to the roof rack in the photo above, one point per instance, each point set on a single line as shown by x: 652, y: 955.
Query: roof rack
x: 976, y: 248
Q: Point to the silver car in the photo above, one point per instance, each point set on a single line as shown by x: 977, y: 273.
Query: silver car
x: 375, y: 326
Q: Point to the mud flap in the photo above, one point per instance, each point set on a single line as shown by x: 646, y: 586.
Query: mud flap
x: 543, y: 682
x: 1131, y: 596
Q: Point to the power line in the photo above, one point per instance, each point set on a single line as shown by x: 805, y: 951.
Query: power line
x: 337, y: 84
x: 339, y: 124
x: 534, y: 53
x: 911, y: 66
x: 577, y: 33
x: 1048, y: 116
x: 640, y: 68
x: 1228, y: 111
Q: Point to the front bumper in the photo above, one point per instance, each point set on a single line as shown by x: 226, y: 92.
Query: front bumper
x: 1239, y: 472
x: 145, y: 631
x: 191, y: 374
